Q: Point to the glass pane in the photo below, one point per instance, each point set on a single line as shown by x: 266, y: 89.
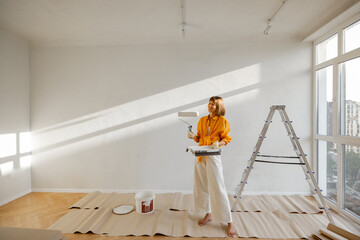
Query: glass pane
x: 324, y: 84
x: 352, y: 178
x: 327, y: 169
x: 350, y: 98
x: 352, y: 37
x: 327, y: 49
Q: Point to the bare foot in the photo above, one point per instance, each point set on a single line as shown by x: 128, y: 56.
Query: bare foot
x: 231, y: 230
x: 206, y: 219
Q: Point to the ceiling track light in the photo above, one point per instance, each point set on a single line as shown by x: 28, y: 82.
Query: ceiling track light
x: 270, y: 20
x: 269, y: 26
x: 183, y: 18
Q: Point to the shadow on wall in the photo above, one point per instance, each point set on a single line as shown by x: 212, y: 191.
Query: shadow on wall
x: 142, y: 111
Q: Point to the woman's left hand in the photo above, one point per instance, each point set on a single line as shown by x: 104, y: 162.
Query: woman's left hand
x: 215, y: 145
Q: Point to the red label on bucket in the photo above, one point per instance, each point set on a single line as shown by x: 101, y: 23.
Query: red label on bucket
x: 147, y: 206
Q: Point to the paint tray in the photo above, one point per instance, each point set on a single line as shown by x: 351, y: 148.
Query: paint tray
x: 199, y: 151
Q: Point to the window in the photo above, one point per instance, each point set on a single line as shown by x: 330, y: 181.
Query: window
x: 352, y: 179
x: 337, y: 118
x: 327, y: 160
x: 324, y: 82
x: 349, y: 95
x: 327, y: 49
x: 352, y: 37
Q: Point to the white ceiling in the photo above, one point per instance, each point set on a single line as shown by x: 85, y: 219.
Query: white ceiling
x: 104, y: 22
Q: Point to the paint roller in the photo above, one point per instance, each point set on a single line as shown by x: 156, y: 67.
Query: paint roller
x: 187, y: 114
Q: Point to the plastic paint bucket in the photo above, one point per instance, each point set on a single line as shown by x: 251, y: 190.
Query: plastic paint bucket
x: 145, y: 202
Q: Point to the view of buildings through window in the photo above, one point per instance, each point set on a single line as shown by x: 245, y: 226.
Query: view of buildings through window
x: 337, y: 73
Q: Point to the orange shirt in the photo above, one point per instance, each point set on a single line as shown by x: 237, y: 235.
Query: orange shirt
x: 219, y: 129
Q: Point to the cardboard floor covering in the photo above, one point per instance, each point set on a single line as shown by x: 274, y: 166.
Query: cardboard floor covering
x: 255, y: 217
x: 335, y: 233
x: 183, y: 202
x: 10, y: 233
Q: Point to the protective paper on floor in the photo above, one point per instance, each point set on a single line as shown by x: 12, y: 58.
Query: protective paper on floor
x: 275, y: 224
x: 343, y: 232
x: 11, y: 233
x: 256, y: 216
x: 182, y: 202
x: 331, y: 234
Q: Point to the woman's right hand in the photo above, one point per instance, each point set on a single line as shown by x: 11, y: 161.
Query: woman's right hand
x: 191, y: 135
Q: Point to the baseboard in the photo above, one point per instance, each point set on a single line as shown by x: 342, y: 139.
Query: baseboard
x: 70, y: 190
x: 3, y: 202
x: 82, y: 190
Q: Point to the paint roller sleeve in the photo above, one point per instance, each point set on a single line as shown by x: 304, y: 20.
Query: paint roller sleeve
x: 188, y: 114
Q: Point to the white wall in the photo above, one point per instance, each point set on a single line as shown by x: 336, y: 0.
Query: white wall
x: 15, y: 179
x: 106, y: 117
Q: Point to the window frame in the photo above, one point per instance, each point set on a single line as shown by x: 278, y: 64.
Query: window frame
x: 337, y: 138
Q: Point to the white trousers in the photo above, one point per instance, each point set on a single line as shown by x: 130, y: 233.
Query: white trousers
x: 209, y: 187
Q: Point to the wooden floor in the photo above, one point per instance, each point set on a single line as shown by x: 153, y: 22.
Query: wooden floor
x: 40, y: 210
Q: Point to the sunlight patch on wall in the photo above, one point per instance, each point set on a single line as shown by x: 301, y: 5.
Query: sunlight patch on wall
x: 6, y: 168
x: 25, y: 162
x: 25, y: 142
x: 148, y: 108
x: 7, y: 145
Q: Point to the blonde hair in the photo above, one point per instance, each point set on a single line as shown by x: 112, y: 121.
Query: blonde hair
x: 220, y: 106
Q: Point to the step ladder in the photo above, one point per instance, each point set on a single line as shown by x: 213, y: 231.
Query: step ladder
x: 309, y: 174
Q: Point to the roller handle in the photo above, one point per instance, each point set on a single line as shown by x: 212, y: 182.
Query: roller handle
x: 190, y: 127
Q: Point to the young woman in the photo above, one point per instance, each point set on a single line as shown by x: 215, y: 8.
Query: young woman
x: 210, y: 195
